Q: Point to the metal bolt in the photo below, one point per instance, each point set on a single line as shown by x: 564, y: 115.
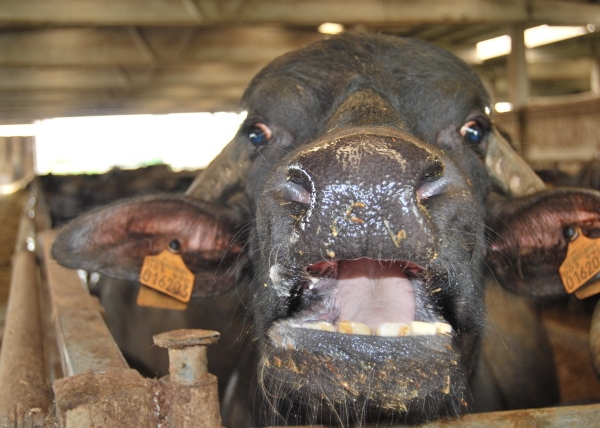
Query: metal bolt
x: 187, y: 353
x: 174, y: 246
x: 570, y: 233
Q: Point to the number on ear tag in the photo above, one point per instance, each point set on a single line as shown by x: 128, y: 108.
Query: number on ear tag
x: 155, y: 299
x: 167, y: 273
x: 581, y: 264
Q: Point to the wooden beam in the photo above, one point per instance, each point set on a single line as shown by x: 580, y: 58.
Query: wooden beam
x: 313, y: 12
x: 142, y: 44
x: 70, y: 46
x: 27, y: 78
x: 248, y: 44
x: 578, y: 69
x: 145, y: 46
x: 96, y: 12
x: 178, y: 93
x: 559, y: 12
x: 24, y: 107
x: 209, y: 73
x: 575, y: 69
x: 566, y: 50
x: 306, y: 12
x: 471, y: 34
x: 595, y: 76
x: 429, y: 32
x: 73, y: 78
x: 27, y: 114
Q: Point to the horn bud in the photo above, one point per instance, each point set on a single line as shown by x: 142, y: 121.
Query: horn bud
x: 509, y: 170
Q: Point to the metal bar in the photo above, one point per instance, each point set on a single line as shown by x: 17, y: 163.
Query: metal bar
x: 24, y: 392
x: 26, y: 232
x: 307, y: 12
x: 84, y: 341
x: 568, y: 416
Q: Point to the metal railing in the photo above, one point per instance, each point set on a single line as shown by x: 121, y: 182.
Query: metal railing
x: 60, y: 366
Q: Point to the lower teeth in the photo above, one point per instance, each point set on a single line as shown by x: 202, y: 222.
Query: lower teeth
x: 414, y: 328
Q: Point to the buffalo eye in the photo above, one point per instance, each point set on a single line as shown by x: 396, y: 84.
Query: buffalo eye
x: 259, y: 134
x: 473, y: 133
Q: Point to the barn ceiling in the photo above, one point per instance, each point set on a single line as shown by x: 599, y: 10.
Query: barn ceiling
x: 90, y: 57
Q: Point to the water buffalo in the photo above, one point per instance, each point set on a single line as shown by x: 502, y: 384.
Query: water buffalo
x: 68, y: 196
x: 356, y: 208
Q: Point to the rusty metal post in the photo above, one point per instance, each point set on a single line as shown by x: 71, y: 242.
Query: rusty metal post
x: 191, y: 393
x: 24, y: 390
x: 187, y: 353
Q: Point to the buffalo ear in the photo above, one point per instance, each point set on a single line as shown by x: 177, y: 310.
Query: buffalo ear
x: 114, y: 240
x: 526, y: 245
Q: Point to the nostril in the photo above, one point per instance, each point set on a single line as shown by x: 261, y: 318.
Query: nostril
x: 430, y: 187
x: 298, y: 187
x: 432, y: 183
x: 294, y: 192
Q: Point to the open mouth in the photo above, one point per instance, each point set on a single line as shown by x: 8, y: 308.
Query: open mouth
x: 367, y: 297
x: 365, y: 331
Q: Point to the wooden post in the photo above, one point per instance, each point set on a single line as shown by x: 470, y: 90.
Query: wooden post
x: 518, y: 84
x: 595, y: 75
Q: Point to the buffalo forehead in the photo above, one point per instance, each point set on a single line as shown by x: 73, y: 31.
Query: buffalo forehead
x: 429, y: 87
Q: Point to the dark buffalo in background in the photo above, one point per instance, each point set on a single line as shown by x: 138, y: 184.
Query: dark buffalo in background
x: 69, y: 196
x: 358, y: 208
x: 587, y: 175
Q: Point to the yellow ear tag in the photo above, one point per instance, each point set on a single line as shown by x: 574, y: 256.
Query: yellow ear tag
x: 166, y: 272
x: 581, y: 264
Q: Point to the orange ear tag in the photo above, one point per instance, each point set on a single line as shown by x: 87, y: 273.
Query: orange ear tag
x: 166, y: 272
x: 155, y: 299
x: 581, y: 264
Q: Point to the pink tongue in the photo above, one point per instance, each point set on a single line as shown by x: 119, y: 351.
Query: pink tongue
x: 373, y: 292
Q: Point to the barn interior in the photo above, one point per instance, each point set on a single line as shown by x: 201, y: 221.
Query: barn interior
x: 190, y: 61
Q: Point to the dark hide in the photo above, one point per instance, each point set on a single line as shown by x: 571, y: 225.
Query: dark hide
x: 356, y: 190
